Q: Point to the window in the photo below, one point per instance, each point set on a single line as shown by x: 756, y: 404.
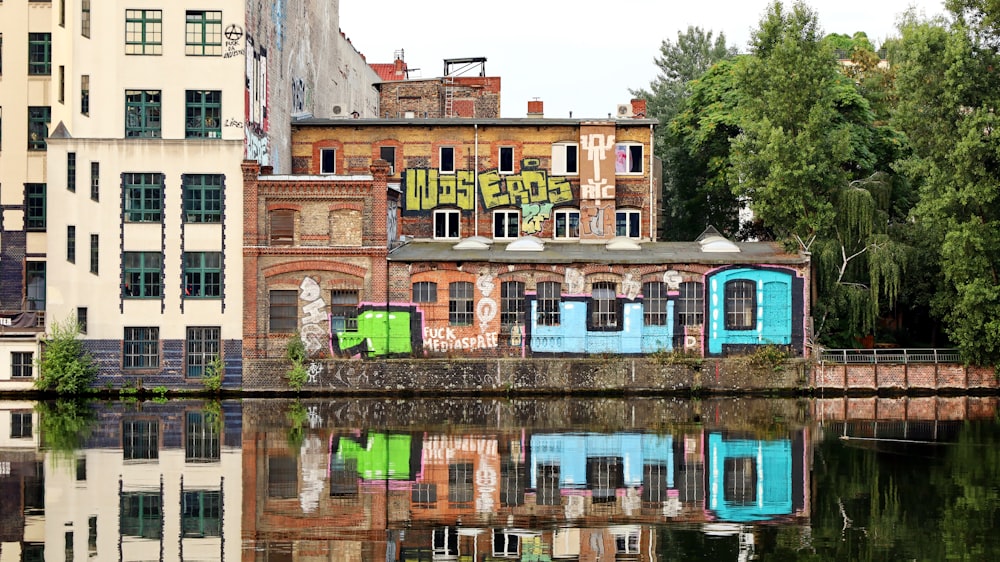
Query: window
x: 460, y: 488
x: 95, y: 181
x: 423, y: 493
x: 513, y: 481
x: 95, y: 253
x: 201, y: 348
x: 460, y: 303
x: 35, y: 292
x: 691, y: 303
x: 81, y: 469
x: 511, y: 304
x: 505, y: 160
x: 203, y: 197
x: 567, y: 224
x: 92, y: 536
x: 425, y: 291
x: 85, y: 18
x: 328, y: 160
x: 140, y: 439
x: 68, y: 541
x: 202, y: 275
x: 203, y: 33
x: 39, y: 54
x: 1, y: 54
x: 445, y: 544
x: 282, y: 477
x: 505, y: 544
x: 38, y: 126
x: 143, y: 32
x: 603, y: 306
x: 203, y: 114
x: 81, y: 318
x: 282, y: 227
x: 34, y: 206
x: 446, y: 224
x: 548, y: 492
x: 446, y: 162
x: 549, y: 297
x: 283, y: 311
x: 143, y: 197
x: 740, y: 481
x: 388, y: 153
x: 141, y: 515
x: 20, y: 425
x: 627, y: 224
x: 62, y: 84
x: 143, y: 275
x: 565, y: 161
x: 62, y: 23
x: 654, y: 304
x: 21, y: 364
x: 741, y: 305
x: 201, y: 513
x: 628, y: 158
x: 506, y: 224
x: 71, y: 171
x: 142, y: 114
x: 343, y: 477
x: 343, y: 310
x: 71, y: 243
x: 605, y: 475
x: 141, y: 348
x: 201, y: 436
x: 85, y: 94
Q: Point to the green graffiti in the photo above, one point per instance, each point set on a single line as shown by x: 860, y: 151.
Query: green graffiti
x: 530, y: 187
x: 380, y: 332
x: 533, y: 215
x: 384, y: 456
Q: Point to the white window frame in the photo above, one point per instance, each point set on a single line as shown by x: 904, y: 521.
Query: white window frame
x: 632, y: 216
x: 630, y: 162
x: 392, y: 165
x: 503, y: 219
x: 454, y: 153
x: 322, y: 161
x: 555, y: 224
x: 559, y: 158
x: 500, y: 168
x: 450, y: 215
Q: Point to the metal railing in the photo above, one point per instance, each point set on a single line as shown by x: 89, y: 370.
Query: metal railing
x: 890, y: 355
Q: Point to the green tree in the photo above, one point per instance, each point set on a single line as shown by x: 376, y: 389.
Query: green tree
x: 65, y: 366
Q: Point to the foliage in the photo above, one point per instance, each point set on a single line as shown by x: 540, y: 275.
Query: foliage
x: 298, y: 418
x: 215, y: 371
x: 296, y: 354
x: 766, y: 357
x: 65, y: 366
x: 65, y: 425
x: 677, y: 357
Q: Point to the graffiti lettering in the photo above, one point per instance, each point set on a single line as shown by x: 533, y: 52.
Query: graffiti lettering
x: 486, y: 308
x: 232, y: 123
x: 597, y: 147
x: 532, y: 216
x: 593, y: 218
x: 445, y: 339
x: 426, y: 189
x: 528, y: 187
x: 597, y: 190
x: 314, y: 331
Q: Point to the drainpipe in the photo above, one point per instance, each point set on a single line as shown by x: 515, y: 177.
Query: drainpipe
x: 475, y: 188
x: 652, y: 232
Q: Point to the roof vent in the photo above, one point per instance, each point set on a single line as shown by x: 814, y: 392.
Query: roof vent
x: 473, y: 243
x: 712, y: 241
x: 526, y: 244
x: 622, y: 243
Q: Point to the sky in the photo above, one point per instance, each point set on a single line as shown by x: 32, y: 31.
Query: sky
x: 579, y: 56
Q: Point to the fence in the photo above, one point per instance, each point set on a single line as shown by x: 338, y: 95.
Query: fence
x: 891, y: 355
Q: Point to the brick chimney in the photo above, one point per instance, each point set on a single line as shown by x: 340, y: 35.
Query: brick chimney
x: 535, y: 108
x: 638, y: 108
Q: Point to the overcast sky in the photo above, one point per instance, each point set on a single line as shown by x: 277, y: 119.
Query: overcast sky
x: 579, y: 56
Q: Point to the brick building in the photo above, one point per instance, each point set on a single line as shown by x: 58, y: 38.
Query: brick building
x: 451, y: 95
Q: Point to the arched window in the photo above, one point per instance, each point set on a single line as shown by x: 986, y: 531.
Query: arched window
x: 460, y: 303
x: 741, y: 305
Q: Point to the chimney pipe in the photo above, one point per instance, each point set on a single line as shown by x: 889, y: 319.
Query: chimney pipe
x: 535, y: 108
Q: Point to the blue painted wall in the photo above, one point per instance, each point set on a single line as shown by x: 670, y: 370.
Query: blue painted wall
x: 571, y: 450
x: 572, y: 335
x: 773, y: 463
x: 774, y: 309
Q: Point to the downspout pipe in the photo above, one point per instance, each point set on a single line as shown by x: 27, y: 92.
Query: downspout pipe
x: 652, y: 219
x: 475, y: 173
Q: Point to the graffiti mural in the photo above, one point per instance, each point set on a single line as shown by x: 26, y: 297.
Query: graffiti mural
x: 426, y: 188
x: 256, y: 120
x: 315, y: 321
x: 382, y: 330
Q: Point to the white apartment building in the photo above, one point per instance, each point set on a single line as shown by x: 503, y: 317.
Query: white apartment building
x: 124, y: 178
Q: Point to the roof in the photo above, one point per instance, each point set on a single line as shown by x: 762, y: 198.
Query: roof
x: 387, y: 71
x: 577, y: 252
x: 464, y: 121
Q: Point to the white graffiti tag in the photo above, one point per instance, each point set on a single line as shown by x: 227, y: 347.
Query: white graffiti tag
x: 314, y: 320
x: 486, y: 308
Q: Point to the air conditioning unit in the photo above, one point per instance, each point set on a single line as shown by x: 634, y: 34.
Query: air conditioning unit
x: 624, y: 110
x: 339, y: 109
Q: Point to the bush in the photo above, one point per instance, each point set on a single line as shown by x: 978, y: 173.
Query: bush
x: 65, y: 366
x: 296, y: 354
x: 214, y: 373
x: 65, y: 426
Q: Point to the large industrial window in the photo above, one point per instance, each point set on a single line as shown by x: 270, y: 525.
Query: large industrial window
x: 506, y: 224
x: 283, y: 311
x: 143, y: 197
x: 343, y: 310
x: 142, y: 114
x: 143, y: 32
x: 547, y: 489
x: 605, y: 475
x: 654, y: 304
x: 201, y: 513
x: 460, y: 305
x: 203, y: 114
x: 203, y: 197
x: 38, y: 126
x: 141, y: 349
x: 511, y: 304
x: 201, y: 437
x: 425, y: 291
x: 603, y: 306
x: 460, y: 489
x: 39, y: 54
x: 203, y: 33
x: 446, y: 224
x: 140, y: 439
x: 567, y: 224
x: 202, y: 346
x: 34, y: 207
x: 549, y: 297
x: 21, y: 364
x: 691, y: 303
x: 141, y: 515
x: 143, y: 275
x: 202, y: 275
x: 741, y: 305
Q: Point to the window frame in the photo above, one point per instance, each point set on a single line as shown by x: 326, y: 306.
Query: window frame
x: 565, y: 159
x: 691, y: 304
x: 143, y: 32
x: 81, y: 318
x: 548, y: 296
x: 505, y: 160
x: 71, y: 171
x: 71, y: 243
x: 22, y: 365
x: 203, y: 114
x: 202, y: 439
x: 654, y: 304
x: 143, y: 114
x: 39, y: 117
x: 85, y: 95
x: 603, y: 307
x: 143, y: 275
x: 392, y: 162
x: 512, y: 306
x: 450, y: 159
x: 202, y: 344
x: 85, y: 18
x: 740, y: 308
x: 445, y: 218
x: 629, y: 158
x: 632, y: 219
x: 203, y: 275
x: 141, y: 348
x: 203, y: 197
x: 344, y: 306
x: 203, y: 33
x: 285, y: 314
x: 424, y: 292
x: 35, y: 207
x: 39, y: 54
x: 502, y: 221
x: 95, y: 181
x: 280, y: 233
x: 140, y: 440
x: 22, y: 425
x: 35, y: 269
x: 328, y: 161
x: 143, y: 194
x: 562, y: 221
x: 461, y: 303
